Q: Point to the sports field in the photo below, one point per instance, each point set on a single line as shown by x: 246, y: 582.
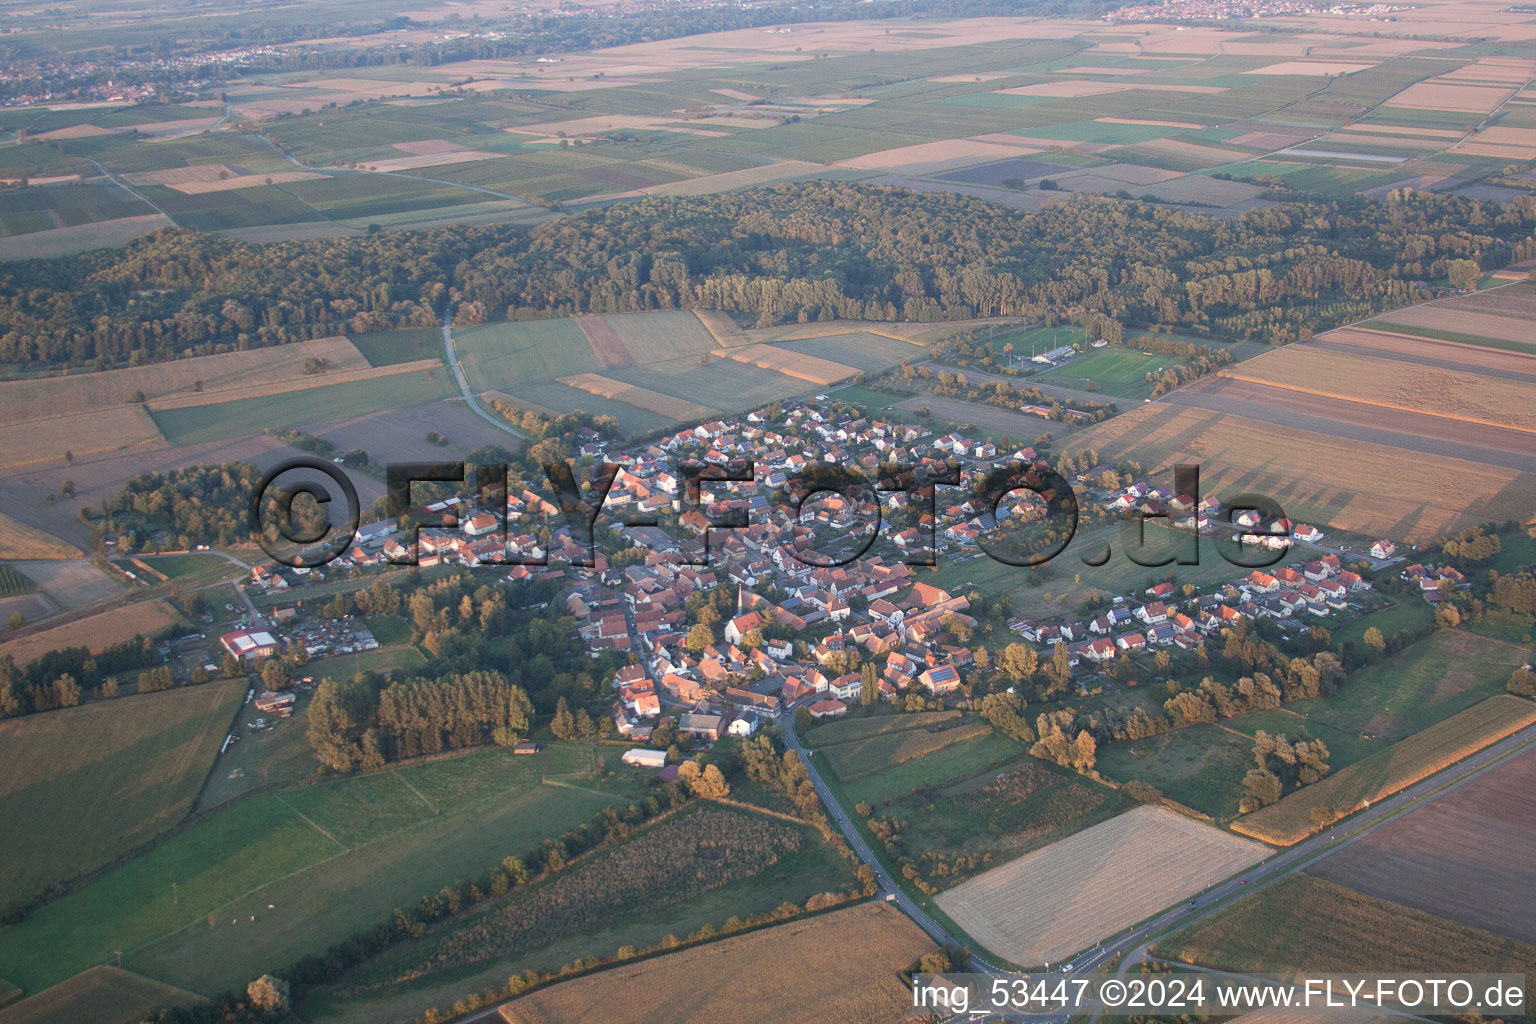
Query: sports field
x: 1116, y: 370
x: 1047, y: 905
x: 81, y: 785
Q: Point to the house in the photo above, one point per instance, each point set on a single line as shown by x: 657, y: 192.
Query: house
x: 1153, y: 614
x: 1383, y: 549
x: 744, y: 725
x: 940, y: 679
x: 827, y: 708
x: 1132, y: 642
x: 639, y: 757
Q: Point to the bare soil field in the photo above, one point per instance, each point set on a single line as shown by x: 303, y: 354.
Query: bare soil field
x: 102, y: 995
x: 1515, y: 300
x: 1449, y: 355
x: 604, y: 341
x: 97, y: 632
x: 1360, y: 485
x: 779, y: 975
x: 1049, y: 904
x: 1437, y: 95
x: 792, y: 364
x: 1461, y: 320
x: 49, y: 397
x: 1388, y: 771
x: 1468, y: 397
x: 1470, y: 857
x: 72, y: 583
x: 678, y: 409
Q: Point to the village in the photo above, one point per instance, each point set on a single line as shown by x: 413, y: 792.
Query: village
x: 800, y: 625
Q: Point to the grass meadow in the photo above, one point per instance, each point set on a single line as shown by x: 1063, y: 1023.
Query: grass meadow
x: 80, y: 786
x: 234, y: 895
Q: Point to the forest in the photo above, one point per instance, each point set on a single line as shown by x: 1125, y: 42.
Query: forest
x: 785, y: 253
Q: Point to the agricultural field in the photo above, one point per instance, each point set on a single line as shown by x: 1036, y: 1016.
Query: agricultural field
x: 958, y: 827
x: 1381, y: 774
x: 80, y: 786
x: 239, y: 417
x: 1201, y: 767
x: 13, y: 582
x: 940, y: 763
x: 97, y: 632
x: 854, y: 759
x: 1328, y: 473
x: 1470, y: 857
x: 1426, y: 683
x: 245, y: 877
x: 794, y: 878
x: 778, y: 976
x: 1301, y: 923
x: 100, y: 994
x: 19, y: 541
x: 863, y: 727
x: 1047, y: 905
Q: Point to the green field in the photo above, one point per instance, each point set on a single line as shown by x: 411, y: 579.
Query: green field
x: 862, y: 727
x: 854, y: 759
x: 1456, y: 336
x: 292, y: 409
x: 816, y: 868
x: 83, y: 785
x: 1201, y: 767
x: 390, y: 348
x: 193, y: 564
x: 1419, y: 686
x: 957, y: 759
x: 1405, y: 613
x: 1303, y: 923
x: 995, y: 815
x: 1117, y: 370
x: 182, y: 912
x: 499, y: 355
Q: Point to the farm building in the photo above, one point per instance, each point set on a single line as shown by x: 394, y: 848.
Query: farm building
x: 708, y: 726
x: 642, y: 758
x: 824, y: 708
x: 269, y: 702
x: 248, y: 645
x: 526, y: 747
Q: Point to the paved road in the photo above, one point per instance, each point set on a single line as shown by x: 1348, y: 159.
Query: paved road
x: 451, y: 358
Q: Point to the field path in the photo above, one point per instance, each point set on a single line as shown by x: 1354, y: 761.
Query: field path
x: 451, y: 358
x: 312, y: 823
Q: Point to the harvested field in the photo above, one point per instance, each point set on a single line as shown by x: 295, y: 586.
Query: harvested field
x: 20, y: 541
x: 1303, y: 923
x: 790, y: 363
x: 725, y: 181
x: 1434, y: 95
x: 190, y: 399
x: 239, y: 181
x: 1334, y: 478
x: 993, y: 418
x: 98, y: 632
x: 605, y: 342
x: 1047, y: 905
x: 1411, y: 430
x: 101, y: 995
x: 720, y: 384
x: 49, y: 397
x: 1470, y: 857
x: 44, y: 440
x: 855, y: 759
x: 864, y: 351
x: 1310, y: 67
x: 82, y: 785
x: 656, y: 337
x: 71, y: 582
x: 778, y: 975
x: 1449, y: 355
x: 1387, y: 771
x: 678, y: 409
x: 1462, y: 321
x: 1069, y: 89
x: 1469, y: 397
x: 410, y: 163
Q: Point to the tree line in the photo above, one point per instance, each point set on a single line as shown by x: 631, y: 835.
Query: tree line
x: 802, y: 252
